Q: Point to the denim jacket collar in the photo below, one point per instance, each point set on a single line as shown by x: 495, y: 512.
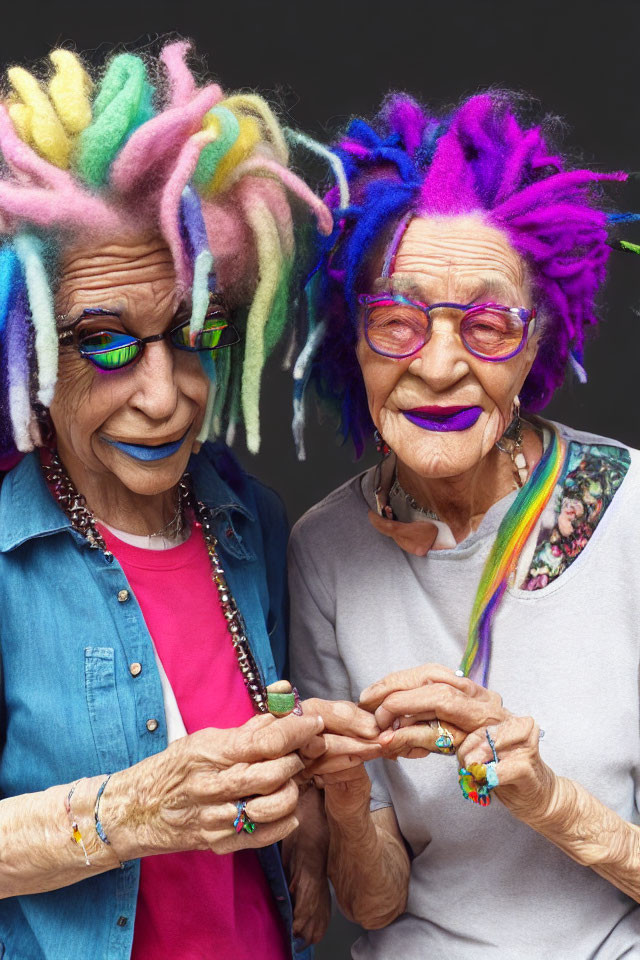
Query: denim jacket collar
x: 27, y: 510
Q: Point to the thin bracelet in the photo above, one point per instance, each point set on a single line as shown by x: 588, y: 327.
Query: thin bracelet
x: 76, y: 836
x: 96, y: 813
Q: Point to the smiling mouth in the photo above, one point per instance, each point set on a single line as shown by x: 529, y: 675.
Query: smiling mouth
x: 146, y: 452
x: 443, y: 419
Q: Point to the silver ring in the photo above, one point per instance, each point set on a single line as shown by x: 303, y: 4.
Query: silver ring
x: 492, y: 745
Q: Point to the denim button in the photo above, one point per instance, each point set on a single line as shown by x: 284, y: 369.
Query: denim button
x: 122, y: 921
x: 135, y: 669
x: 152, y: 724
x: 123, y: 596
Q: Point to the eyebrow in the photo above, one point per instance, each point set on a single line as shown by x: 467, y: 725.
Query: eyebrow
x: 482, y: 286
x: 183, y: 308
x: 88, y: 312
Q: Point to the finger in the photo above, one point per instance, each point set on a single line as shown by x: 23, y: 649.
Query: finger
x: 271, y: 740
x: 372, y: 696
x: 333, y: 765
x: 280, y: 686
x: 247, y: 780
x: 359, y: 748
x: 401, y: 743
x: 316, y: 747
x: 274, y: 806
x: 263, y: 836
x: 348, y: 775
x: 447, y: 703
x: 411, y: 721
x: 512, y: 734
x: 262, y: 809
x: 342, y: 716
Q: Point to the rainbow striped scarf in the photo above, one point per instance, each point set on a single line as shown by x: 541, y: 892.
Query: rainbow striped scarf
x: 519, y: 521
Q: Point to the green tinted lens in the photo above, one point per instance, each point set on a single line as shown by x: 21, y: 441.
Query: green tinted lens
x: 212, y: 336
x: 108, y: 350
x: 217, y: 332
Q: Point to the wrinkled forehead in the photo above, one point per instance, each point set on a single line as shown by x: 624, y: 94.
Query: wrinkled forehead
x: 462, y: 256
x: 113, y: 267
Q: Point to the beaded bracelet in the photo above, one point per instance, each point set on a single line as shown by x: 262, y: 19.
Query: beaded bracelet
x: 76, y: 836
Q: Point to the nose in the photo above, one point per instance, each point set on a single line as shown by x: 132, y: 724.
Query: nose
x: 156, y: 391
x: 442, y: 362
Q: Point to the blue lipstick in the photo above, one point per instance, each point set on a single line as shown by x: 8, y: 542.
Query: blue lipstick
x: 144, y: 452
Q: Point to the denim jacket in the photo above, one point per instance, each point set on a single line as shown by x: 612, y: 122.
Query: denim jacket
x: 70, y: 706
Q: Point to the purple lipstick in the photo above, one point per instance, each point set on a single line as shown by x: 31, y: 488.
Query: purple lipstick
x: 443, y: 419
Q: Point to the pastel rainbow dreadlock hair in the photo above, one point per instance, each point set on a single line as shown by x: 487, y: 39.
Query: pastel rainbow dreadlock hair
x: 144, y: 145
x: 480, y: 158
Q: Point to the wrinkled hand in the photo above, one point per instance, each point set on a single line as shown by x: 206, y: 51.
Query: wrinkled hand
x: 404, y: 702
x: 526, y: 784
x: 350, y: 737
x: 185, y: 797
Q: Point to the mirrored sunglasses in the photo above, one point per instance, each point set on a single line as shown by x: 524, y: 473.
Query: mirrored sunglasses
x: 113, y: 349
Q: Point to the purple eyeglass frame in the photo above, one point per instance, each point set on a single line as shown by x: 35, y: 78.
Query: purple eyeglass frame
x: 526, y: 316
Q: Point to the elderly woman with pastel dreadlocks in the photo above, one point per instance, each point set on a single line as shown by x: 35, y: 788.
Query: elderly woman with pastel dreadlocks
x: 490, y: 550
x: 144, y: 231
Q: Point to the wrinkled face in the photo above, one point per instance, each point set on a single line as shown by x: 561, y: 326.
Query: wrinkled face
x: 456, y: 260
x: 114, y: 423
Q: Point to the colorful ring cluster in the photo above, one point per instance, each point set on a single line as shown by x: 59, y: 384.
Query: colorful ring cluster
x: 243, y: 821
x: 478, y: 781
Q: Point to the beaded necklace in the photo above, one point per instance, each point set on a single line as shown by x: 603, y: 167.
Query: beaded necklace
x: 83, y: 521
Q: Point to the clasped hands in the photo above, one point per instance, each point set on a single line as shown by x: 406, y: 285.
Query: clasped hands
x: 394, y: 718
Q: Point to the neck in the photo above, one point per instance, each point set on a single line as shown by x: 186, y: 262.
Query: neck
x: 462, y: 501
x: 118, y: 506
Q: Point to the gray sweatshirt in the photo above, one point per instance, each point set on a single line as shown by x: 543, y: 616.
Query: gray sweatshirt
x: 482, y: 883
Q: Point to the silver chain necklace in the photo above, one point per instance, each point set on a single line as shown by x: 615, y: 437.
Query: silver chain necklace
x: 396, y: 490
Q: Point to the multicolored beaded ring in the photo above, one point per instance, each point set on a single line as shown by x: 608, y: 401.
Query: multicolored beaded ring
x: 477, y: 782
x: 480, y: 779
x: 243, y: 821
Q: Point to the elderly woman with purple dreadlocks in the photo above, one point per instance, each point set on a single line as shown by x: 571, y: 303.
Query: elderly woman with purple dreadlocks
x: 145, y: 230
x: 476, y: 590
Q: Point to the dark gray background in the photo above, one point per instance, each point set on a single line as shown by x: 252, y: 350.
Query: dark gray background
x: 323, y: 62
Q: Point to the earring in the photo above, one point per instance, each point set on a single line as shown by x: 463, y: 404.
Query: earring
x: 382, y: 447
x: 511, y: 443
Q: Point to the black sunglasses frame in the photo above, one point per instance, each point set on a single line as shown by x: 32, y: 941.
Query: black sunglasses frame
x: 73, y: 338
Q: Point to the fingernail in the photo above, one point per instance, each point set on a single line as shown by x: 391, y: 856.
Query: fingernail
x: 396, y: 724
x: 319, y: 722
x: 386, y: 737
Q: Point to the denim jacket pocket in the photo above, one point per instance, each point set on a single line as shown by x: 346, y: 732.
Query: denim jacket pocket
x: 104, y: 709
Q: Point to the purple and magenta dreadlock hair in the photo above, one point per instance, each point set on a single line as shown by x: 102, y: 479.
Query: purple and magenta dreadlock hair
x: 480, y: 158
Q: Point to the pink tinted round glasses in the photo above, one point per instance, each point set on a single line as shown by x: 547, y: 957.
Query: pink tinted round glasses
x: 396, y: 326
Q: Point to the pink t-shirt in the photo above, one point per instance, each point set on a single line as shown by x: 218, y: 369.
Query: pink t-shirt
x: 197, y: 905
